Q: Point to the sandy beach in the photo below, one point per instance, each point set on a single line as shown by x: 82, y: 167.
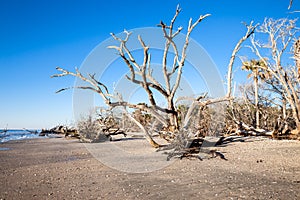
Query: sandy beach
x: 59, y: 168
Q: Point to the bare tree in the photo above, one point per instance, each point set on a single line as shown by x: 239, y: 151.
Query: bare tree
x: 141, y: 74
x: 280, y: 36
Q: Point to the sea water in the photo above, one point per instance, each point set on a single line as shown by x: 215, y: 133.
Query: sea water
x: 7, y: 135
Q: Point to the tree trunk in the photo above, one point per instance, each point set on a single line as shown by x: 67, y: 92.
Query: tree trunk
x: 173, y: 117
x: 256, y: 100
x: 147, y: 134
x: 283, y: 107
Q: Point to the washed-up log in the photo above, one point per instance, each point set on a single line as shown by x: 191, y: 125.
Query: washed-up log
x: 72, y: 132
x: 114, y: 131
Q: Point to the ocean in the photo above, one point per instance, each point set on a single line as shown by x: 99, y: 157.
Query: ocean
x: 8, y: 135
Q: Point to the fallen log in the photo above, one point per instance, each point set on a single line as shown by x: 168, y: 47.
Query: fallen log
x: 114, y: 131
x: 200, y: 148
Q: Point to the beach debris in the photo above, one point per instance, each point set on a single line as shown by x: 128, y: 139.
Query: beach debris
x: 199, y: 148
x: 60, y: 129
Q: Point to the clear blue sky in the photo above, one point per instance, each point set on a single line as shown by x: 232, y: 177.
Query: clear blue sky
x: 38, y: 35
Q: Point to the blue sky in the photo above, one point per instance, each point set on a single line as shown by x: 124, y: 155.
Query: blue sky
x: 38, y: 35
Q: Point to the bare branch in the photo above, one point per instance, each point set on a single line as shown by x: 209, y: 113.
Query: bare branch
x: 280, y: 34
x: 250, y: 30
x: 291, y: 3
x: 63, y: 89
x: 183, y: 54
x: 147, y: 134
x: 95, y: 86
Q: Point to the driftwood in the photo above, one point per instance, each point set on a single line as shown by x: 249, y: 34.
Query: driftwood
x: 73, y: 134
x: 103, y: 135
x: 200, y: 148
x: 197, y: 153
x: 99, y: 138
x: 114, y: 131
x: 67, y: 131
x: 205, y: 147
x: 243, y: 129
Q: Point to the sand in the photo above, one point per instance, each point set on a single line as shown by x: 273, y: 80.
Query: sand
x: 59, y: 168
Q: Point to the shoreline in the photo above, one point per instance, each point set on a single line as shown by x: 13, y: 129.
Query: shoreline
x: 59, y: 168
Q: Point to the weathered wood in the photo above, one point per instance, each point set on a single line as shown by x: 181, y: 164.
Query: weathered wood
x: 250, y: 30
x: 114, y: 131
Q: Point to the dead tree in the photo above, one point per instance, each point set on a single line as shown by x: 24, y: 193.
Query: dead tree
x: 141, y: 74
x: 280, y: 35
x: 250, y: 30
